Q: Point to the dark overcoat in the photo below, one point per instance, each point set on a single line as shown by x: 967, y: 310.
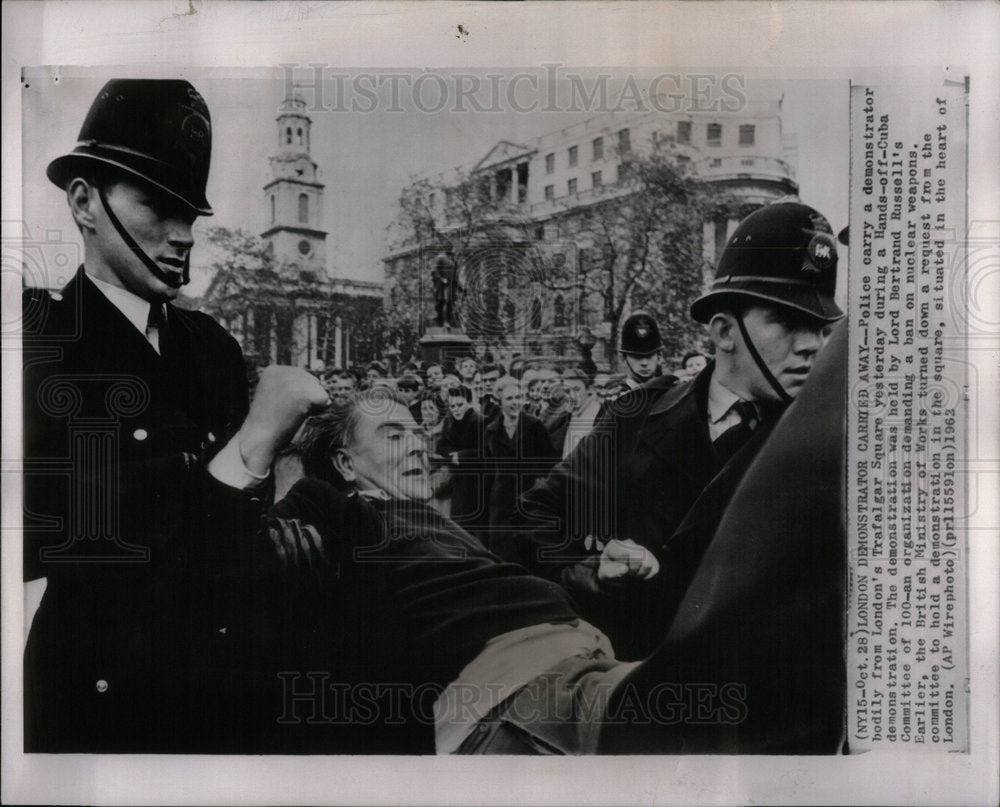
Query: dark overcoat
x: 137, y: 644
x: 637, y: 475
x: 514, y: 464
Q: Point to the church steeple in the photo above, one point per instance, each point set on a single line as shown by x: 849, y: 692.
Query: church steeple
x: 293, y: 194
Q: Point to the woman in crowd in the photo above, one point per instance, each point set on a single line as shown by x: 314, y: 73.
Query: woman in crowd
x: 431, y: 419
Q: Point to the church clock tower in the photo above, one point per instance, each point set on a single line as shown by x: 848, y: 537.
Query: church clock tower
x: 293, y: 194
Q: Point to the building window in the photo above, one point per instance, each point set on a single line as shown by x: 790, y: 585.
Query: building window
x: 746, y: 134
x: 550, y: 163
x: 298, y: 133
x: 572, y: 186
x: 596, y: 178
x: 624, y: 142
x: 683, y: 131
x: 574, y: 154
x: 599, y: 148
x: 273, y: 211
x: 303, y: 209
x: 550, y: 192
x: 715, y: 162
x: 536, y: 315
x: 713, y: 134
x: 746, y: 161
x: 559, y: 312
x: 304, y: 247
x: 288, y: 135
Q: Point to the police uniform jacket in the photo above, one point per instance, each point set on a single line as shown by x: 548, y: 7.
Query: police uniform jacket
x: 135, y: 646
x: 636, y: 476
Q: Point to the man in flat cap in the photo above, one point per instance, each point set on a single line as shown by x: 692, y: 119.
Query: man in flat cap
x: 658, y: 469
x: 144, y: 462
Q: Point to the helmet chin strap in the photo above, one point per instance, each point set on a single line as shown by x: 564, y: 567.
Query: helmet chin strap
x: 140, y: 253
x: 764, y: 369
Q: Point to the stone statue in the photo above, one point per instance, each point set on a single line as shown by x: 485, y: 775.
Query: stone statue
x: 446, y: 287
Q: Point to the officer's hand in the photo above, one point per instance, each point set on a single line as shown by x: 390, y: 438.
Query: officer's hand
x: 626, y: 560
x: 285, y: 396
x: 297, y: 545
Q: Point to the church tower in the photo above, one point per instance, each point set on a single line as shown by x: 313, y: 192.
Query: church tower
x: 293, y: 194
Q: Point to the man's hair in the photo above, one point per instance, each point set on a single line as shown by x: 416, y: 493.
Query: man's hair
x: 505, y: 382
x: 493, y: 368
x: 427, y: 369
x: 460, y: 389
x: 692, y: 354
x: 576, y: 373
x: 336, y: 428
x: 408, y: 382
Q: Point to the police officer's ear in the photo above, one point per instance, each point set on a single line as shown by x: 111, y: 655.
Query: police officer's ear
x: 722, y: 329
x: 343, y: 464
x: 81, y: 194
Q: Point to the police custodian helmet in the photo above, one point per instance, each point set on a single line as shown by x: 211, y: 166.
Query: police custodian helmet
x: 640, y: 335
x: 155, y: 129
x: 784, y: 254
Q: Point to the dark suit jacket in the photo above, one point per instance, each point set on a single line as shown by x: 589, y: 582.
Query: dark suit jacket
x: 468, y: 499
x: 636, y: 476
x: 135, y: 645
x: 764, y: 615
x: 513, y: 465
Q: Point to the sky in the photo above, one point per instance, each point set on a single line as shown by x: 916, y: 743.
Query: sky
x: 372, y: 134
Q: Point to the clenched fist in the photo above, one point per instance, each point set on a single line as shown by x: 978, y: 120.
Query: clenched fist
x: 623, y: 560
x: 285, y: 397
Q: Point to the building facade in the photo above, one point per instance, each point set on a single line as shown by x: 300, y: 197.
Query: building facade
x: 283, y: 306
x: 550, y: 184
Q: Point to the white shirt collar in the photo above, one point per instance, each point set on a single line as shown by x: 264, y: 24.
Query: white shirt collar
x: 135, y: 309
x: 720, y: 399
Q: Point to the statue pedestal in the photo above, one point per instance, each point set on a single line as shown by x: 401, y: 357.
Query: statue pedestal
x: 444, y: 345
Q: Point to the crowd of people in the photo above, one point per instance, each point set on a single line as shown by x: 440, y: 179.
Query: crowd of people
x: 462, y: 558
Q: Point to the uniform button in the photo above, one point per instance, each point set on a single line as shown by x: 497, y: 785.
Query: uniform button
x: 211, y: 437
x: 222, y: 630
x: 56, y: 296
x: 102, y: 686
x: 140, y: 434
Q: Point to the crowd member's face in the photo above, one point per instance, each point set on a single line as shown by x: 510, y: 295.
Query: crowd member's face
x: 160, y: 225
x: 429, y: 412
x: 407, y: 394
x: 467, y: 368
x: 372, y: 374
x: 510, y: 402
x: 641, y: 368
x: 787, y: 341
x: 478, y: 387
x: 434, y: 376
x: 490, y: 382
x: 576, y: 391
x: 458, y: 406
x: 695, y: 364
x: 341, y: 390
x: 535, y: 390
x: 388, y: 454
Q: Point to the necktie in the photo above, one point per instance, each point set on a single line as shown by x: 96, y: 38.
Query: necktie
x: 730, y: 441
x: 155, y: 325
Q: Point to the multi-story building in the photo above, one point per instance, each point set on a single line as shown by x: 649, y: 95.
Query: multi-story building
x: 550, y: 182
x: 290, y: 310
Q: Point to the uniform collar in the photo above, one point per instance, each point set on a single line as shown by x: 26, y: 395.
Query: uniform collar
x: 720, y: 399
x: 133, y: 307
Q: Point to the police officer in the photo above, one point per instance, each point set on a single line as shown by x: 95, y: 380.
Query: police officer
x: 677, y: 450
x: 144, y: 463
x: 641, y: 346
